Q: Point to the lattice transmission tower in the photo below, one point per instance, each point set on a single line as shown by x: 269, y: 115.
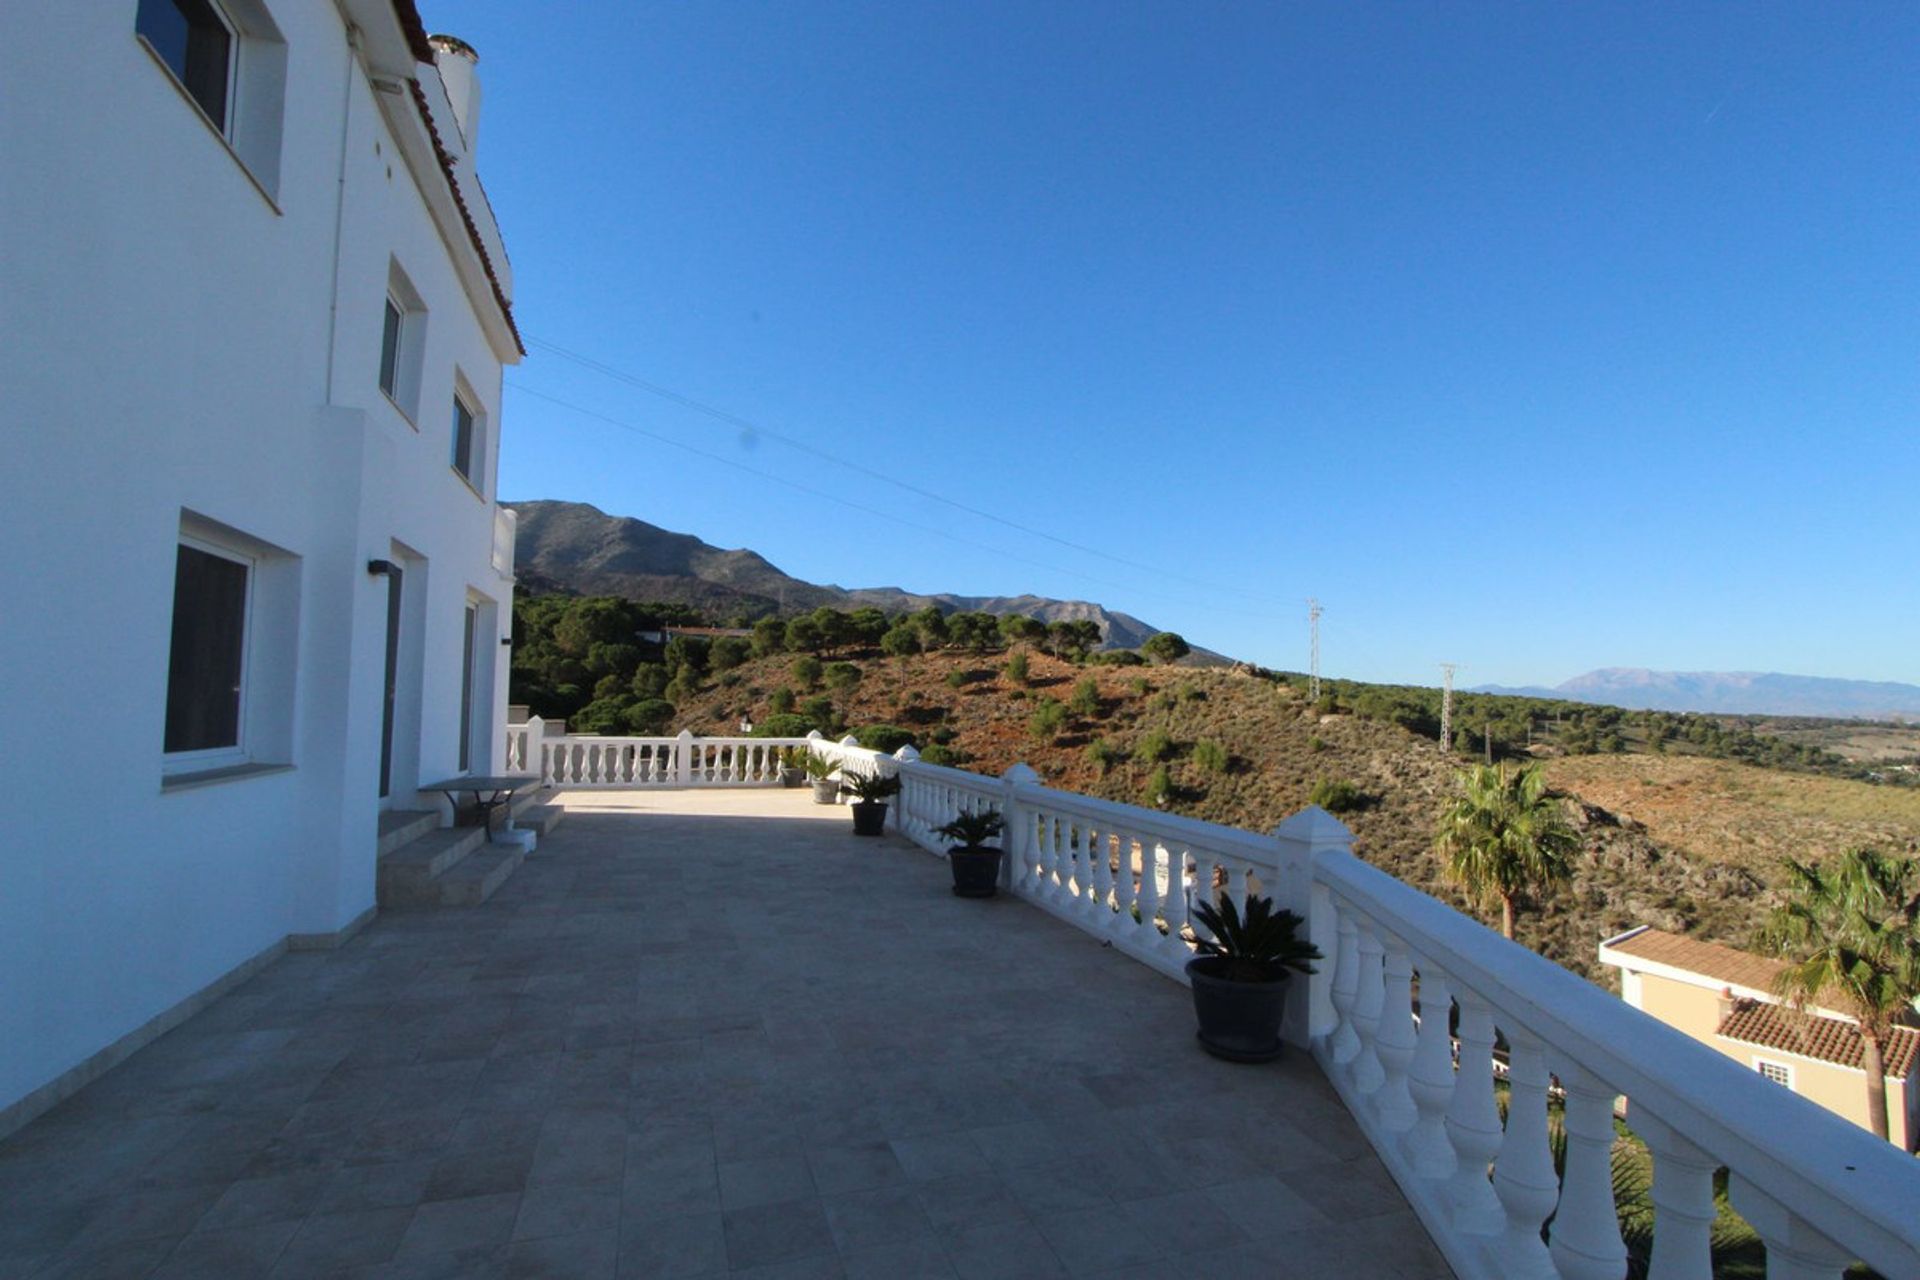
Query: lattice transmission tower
x: 1313, y: 658
x: 1446, y: 705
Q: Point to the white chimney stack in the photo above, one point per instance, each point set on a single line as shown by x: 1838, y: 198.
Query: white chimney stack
x: 456, y: 60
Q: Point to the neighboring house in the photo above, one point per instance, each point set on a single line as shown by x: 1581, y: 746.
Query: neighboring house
x: 256, y: 585
x: 1724, y: 998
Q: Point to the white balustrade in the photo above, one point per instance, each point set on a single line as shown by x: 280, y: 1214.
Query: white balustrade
x: 1819, y: 1192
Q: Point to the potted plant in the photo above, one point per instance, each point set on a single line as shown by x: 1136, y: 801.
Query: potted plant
x: 975, y: 863
x: 870, y: 794
x: 825, y: 789
x: 793, y: 769
x: 1240, y: 977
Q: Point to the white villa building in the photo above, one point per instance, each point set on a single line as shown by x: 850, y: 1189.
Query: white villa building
x: 256, y: 586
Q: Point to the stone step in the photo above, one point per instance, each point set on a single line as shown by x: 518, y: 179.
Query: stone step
x: 473, y: 880
x: 531, y: 798
x: 403, y: 826
x: 410, y: 875
x: 540, y: 819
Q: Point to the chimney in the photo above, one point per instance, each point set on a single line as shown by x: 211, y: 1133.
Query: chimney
x: 456, y: 60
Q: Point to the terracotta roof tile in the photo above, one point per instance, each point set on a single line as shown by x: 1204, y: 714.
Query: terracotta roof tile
x: 415, y: 29
x: 1813, y: 1035
x: 1722, y: 964
x: 466, y: 214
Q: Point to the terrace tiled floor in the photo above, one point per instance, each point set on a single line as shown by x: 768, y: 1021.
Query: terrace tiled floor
x: 704, y: 1033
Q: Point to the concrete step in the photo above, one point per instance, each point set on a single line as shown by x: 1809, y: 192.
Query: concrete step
x: 410, y: 875
x: 539, y: 818
x: 535, y: 796
x: 403, y: 826
x: 473, y: 880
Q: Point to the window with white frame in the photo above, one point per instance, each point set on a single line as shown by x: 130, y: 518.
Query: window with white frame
x: 230, y: 60
x: 469, y: 436
x: 1778, y: 1072
x: 403, y: 338
x: 230, y: 659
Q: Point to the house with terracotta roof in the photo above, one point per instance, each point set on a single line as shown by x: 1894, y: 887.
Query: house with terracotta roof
x: 257, y: 586
x: 1724, y: 998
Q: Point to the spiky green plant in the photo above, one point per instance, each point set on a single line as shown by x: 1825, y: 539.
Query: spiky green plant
x: 1850, y: 931
x: 869, y: 788
x: 1505, y: 835
x: 971, y: 830
x: 1263, y: 945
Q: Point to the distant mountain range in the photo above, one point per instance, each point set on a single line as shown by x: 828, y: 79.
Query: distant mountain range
x: 1733, y: 693
x: 571, y: 546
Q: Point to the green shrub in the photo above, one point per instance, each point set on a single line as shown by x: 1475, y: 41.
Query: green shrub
x: 728, y: 652
x: 1156, y: 746
x: 884, y: 737
x: 806, y: 669
x: 649, y: 680
x: 1166, y: 647
x: 1210, y: 755
x: 1159, y: 789
x: 1117, y: 658
x: 1017, y: 667
x: 956, y: 679
x: 1316, y: 743
x: 821, y: 712
x: 648, y: 717
x: 935, y: 753
x: 784, y: 725
x: 1337, y: 795
x: 1086, y: 698
x: 1139, y: 686
x: 900, y: 641
x: 1103, y: 755
x: 1047, y: 720
x: 842, y: 676
x: 781, y: 701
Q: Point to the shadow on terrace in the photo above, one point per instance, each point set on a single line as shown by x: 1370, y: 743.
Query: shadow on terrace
x: 705, y: 1033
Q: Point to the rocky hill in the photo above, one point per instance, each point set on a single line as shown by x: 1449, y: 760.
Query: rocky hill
x: 1733, y: 693
x: 578, y: 549
x: 1273, y: 747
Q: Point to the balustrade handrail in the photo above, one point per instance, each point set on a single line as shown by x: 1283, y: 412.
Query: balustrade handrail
x: 1733, y: 1115
x: 1143, y: 821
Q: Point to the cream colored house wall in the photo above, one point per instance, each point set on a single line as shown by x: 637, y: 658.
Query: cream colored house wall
x: 1682, y: 1006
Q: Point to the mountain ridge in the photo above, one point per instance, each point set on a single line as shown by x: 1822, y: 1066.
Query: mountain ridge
x: 1731, y: 693
x: 576, y: 547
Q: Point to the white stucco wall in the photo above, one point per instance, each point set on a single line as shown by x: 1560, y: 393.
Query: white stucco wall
x: 168, y: 350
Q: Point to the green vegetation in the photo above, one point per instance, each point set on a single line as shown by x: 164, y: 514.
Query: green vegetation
x: 1211, y: 756
x: 1048, y: 718
x: 1155, y: 746
x: 1255, y: 946
x: 1103, y: 755
x: 1337, y: 795
x: 1086, y: 698
x: 1159, y: 789
x: 1851, y: 933
x: 1166, y: 648
x: 1017, y: 667
x: 883, y: 737
x: 806, y: 669
x: 1505, y: 835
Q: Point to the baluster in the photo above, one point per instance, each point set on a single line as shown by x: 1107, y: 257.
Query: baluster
x: 1393, y: 1044
x: 1523, y: 1177
x: 1366, y: 1073
x: 1146, y: 893
x: 1795, y: 1250
x: 1206, y: 868
x: 1473, y: 1124
x: 1047, y: 858
x: 1585, y: 1241
x: 594, y: 763
x: 1430, y: 1080
x: 1682, y: 1195
x: 1102, y: 879
x: 1345, y: 993
x: 1173, y: 905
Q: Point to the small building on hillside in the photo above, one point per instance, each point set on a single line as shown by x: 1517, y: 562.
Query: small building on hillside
x: 257, y: 586
x: 1724, y: 998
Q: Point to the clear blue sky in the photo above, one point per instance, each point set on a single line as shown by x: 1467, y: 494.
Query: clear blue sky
x: 1531, y: 337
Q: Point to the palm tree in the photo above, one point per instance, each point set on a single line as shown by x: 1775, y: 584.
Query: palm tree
x: 1505, y: 834
x: 1851, y: 933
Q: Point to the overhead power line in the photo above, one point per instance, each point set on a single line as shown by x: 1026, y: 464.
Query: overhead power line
x: 849, y: 503
x: 812, y: 450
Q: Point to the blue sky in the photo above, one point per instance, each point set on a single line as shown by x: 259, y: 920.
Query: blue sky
x: 1530, y: 337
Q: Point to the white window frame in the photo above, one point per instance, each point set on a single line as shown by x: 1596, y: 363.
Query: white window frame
x: 221, y: 757
x: 410, y: 347
x: 1768, y: 1066
x: 253, y: 116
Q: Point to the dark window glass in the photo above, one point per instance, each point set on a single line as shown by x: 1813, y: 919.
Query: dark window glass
x: 209, y: 639
x: 466, y: 689
x: 390, y: 349
x: 462, y: 438
x: 190, y: 38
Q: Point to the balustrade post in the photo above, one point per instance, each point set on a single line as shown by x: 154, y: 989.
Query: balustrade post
x: 1795, y: 1251
x: 1523, y: 1177
x: 535, y: 760
x: 898, y: 809
x: 1300, y: 843
x: 1586, y: 1242
x: 683, y: 759
x: 1473, y: 1123
x: 1016, y: 821
x: 1393, y: 1044
x: 1682, y: 1195
x: 1173, y: 905
x: 1430, y: 1081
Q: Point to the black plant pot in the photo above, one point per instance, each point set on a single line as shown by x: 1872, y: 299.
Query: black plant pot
x: 869, y: 818
x: 793, y: 778
x: 1239, y: 1021
x: 825, y: 791
x: 976, y: 871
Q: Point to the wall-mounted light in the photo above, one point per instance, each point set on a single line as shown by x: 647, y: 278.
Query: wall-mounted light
x: 506, y: 641
x: 380, y: 568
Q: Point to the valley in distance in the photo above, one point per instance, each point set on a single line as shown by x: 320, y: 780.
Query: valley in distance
x: 1685, y: 816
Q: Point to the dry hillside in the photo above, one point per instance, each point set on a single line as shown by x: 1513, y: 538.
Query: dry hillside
x: 1689, y: 845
